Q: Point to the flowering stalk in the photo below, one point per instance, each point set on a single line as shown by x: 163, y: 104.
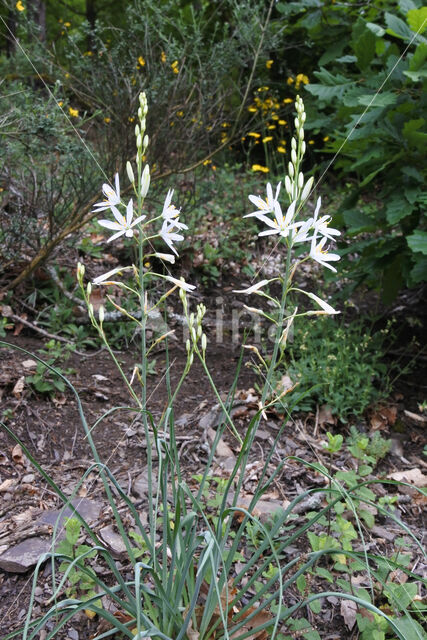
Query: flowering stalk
x: 292, y: 230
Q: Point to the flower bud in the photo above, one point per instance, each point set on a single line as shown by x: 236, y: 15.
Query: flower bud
x: 145, y: 143
x: 303, y: 148
x: 101, y: 314
x: 297, y: 123
x: 138, y: 141
x: 129, y: 171
x: 288, y: 185
x: 301, y: 134
x: 89, y: 288
x: 80, y: 270
x: 137, y: 130
x: 140, y: 115
x: 303, y: 116
x: 145, y: 181
x: 307, y: 189
x: 191, y: 319
x: 199, y: 331
x: 294, y: 143
x: 204, y: 342
x: 188, y: 345
x: 291, y: 170
x: 294, y: 156
x: 90, y: 308
x: 190, y: 359
x: 193, y: 334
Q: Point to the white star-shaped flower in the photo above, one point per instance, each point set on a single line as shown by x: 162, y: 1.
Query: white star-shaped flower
x: 264, y: 206
x: 112, y: 195
x: 169, y: 236
x: 170, y: 213
x: 321, y: 255
x: 123, y: 224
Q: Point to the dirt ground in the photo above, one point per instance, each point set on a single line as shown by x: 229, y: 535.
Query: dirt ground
x: 50, y: 427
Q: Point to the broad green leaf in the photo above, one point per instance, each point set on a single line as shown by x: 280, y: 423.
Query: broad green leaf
x: 72, y: 530
x: 401, y: 595
x: 363, y: 44
x: 417, y: 19
x: 419, y: 57
x: 417, y: 242
x: 357, y: 221
x: 316, y: 607
x: 416, y: 76
x: 378, y: 100
x: 406, y: 5
x: 398, y: 28
x: 410, y: 628
x: 376, y: 29
x: 419, y: 270
x: 412, y: 134
x: 397, y: 208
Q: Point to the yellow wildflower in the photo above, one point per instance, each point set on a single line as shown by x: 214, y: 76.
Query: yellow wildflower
x: 67, y: 24
x: 60, y: 103
x: 226, y: 124
x: 274, y: 116
x: 174, y: 66
x: 271, y: 126
x: 141, y: 61
x: 179, y: 114
x: 163, y: 57
x: 131, y: 119
x: 73, y: 112
x: 20, y: 6
x: 254, y: 135
x: 269, y: 64
x: 252, y: 109
x: 282, y: 122
x: 267, y: 138
x: 67, y: 75
x: 311, y: 142
x: 300, y: 79
x: 281, y: 149
x: 213, y: 167
x: 107, y: 120
x: 290, y: 80
x: 259, y: 167
x: 287, y: 100
x: 206, y: 162
x: 325, y: 139
x: 260, y: 89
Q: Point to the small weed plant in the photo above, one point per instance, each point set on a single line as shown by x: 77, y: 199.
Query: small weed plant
x: 204, y: 567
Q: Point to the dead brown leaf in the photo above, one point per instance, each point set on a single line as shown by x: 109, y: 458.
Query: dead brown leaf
x: 412, y: 476
x: 19, y: 387
x: 17, y: 455
x: 348, y: 611
x: 258, y: 619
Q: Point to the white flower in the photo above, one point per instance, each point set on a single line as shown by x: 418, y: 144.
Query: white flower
x: 170, y: 213
x: 321, y: 255
x: 169, y: 236
x: 180, y: 283
x: 320, y: 225
x: 105, y: 278
x: 324, y: 305
x: 113, y: 196
x: 123, y: 225
x: 254, y: 287
x: 281, y: 225
x: 303, y: 228
x: 267, y: 205
x: 164, y: 256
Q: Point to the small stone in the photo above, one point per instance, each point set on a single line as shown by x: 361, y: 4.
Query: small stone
x: 29, y: 477
x: 73, y: 634
x: 113, y: 541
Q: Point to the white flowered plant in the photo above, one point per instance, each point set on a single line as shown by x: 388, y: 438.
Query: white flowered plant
x: 292, y: 228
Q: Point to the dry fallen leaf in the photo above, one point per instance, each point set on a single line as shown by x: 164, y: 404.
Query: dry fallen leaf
x: 412, y: 476
x: 19, y: 387
x: 29, y: 364
x: 348, y: 611
x: 17, y: 455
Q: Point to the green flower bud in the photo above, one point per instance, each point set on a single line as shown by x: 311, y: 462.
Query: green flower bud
x: 188, y: 345
x: 137, y: 130
x: 193, y: 334
x: 301, y: 134
x: 199, y: 331
x: 294, y: 144
x: 145, y: 143
x: 101, y: 314
x: 191, y: 319
x: 80, y: 271
x: 138, y: 141
x: 204, y: 342
x: 129, y: 171
x: 89, y: 288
